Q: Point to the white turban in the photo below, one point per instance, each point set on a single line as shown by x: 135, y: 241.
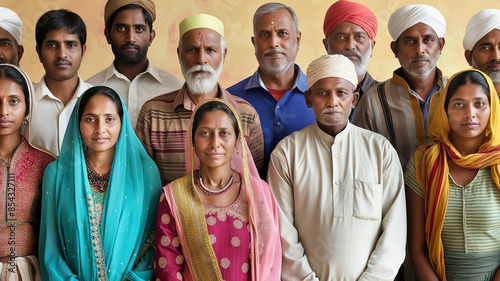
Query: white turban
x: 11, y: 22
x: 407, y: 16
x: 331, y: 66
x: 480, y: 25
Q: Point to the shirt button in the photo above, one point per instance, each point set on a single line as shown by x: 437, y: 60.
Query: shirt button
x: 337, y: 182
x: 336, y: 155
x: 279, y: 123
x: 278, y: 107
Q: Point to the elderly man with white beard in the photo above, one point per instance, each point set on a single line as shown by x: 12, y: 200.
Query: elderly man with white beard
x: 164, y: 121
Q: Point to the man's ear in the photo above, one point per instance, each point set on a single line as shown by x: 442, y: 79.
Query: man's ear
x: 152, y: 37
x: 20, y: 52
x: 108, y: 35
x: 394, y: 48
x: 307, y: 97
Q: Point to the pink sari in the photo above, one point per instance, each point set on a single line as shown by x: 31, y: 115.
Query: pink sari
x: 200, y: 262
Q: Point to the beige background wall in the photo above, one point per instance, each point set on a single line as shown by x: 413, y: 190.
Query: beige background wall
x: 237, y: 17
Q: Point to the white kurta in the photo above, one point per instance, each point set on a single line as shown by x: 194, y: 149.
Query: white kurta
x: 51, y: 116
x: 145, y: 86
x: 342, y: 205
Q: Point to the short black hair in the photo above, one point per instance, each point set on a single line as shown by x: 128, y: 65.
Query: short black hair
x: 57, y: 20
x: 212, y: 106
x: 145, y: 14
x: 466, y: 78
x: 96, y: 91
x: 10, y: 72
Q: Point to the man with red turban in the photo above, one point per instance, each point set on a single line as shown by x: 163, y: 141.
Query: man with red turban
x: 350, y: 29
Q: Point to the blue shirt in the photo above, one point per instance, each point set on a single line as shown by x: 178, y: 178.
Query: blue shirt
x: 278, y: 118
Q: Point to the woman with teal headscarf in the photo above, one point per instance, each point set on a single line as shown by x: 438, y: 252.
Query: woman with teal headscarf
x: 99, y: 197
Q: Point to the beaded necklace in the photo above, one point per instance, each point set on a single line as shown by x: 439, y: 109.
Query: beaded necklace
x: 98, y: 181
x: 209, y: 192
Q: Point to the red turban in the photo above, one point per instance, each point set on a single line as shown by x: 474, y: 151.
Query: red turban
x: 352, y: 12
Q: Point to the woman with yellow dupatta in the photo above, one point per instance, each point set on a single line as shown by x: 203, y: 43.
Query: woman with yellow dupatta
x: 221, y: 221
x: 453, y: 195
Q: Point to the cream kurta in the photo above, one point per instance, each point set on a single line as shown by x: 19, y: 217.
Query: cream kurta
x: 342, y: 205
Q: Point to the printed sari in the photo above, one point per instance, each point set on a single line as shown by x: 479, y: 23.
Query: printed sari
x: 199, y: 260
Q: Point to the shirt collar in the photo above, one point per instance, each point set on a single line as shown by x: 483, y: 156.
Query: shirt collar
x: 151, y: 69
x: 300, y: 83
x: 182, y: 98
x: 399, y: 79
x: 42, y: 90
x: 326, y: 137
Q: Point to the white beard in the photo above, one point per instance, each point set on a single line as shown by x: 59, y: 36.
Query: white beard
x: 203, y: 83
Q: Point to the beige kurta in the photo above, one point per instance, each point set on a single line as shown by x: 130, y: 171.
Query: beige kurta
x: 342, y: 206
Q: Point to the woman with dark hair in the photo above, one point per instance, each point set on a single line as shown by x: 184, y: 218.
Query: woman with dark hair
x: 21, y: 170
x: 453, y: 183
x: 221, y: 221
x: 99, y: 197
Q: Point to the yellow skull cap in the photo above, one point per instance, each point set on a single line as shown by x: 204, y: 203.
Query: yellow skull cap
x: 201, y: 21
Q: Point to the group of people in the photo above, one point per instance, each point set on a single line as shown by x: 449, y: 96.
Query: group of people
x: 327, y: 175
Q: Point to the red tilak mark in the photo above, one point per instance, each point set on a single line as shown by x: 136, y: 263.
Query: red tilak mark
x: 199, y: 32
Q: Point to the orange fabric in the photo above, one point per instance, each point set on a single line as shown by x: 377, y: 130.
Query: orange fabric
x: 431, y: 164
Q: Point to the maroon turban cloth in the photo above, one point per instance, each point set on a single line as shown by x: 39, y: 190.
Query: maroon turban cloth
x: 352, y: 12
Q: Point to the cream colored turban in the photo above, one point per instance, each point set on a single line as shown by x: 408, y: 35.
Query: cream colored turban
x: 201, y: 21
x: 331, y: 66
x: 407, y: 16
x: 480, y: 25
x: 11, y: 22
x: 113, y: 5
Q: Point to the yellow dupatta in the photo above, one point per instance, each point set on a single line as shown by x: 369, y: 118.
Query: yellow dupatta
x: 431, y: 165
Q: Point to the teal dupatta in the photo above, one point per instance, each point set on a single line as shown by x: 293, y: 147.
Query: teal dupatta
x: 73, y: 246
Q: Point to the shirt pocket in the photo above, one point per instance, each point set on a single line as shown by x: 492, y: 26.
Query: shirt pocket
x: 367, y: 200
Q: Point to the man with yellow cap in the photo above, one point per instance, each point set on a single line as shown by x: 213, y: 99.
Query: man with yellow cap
x: 276, y: 89
x: 339, y: 188
x: 398, y: 108
x: 11, y: 49
x: 163, y: 121
x: 482, y: 43
x: 129, y: 31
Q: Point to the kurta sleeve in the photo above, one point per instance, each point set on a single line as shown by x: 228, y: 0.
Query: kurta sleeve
x: 295, y: 264
x: 53, y: 265
x: 169, y: 261
x: 143, y: 129
x: 255, y: 142
x: 389, y: 252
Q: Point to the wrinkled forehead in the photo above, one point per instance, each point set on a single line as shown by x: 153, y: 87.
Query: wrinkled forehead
x: 200, y: 36
x: 419, y: 29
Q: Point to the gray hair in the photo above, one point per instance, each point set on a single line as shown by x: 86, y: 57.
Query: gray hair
x: 271, y: 8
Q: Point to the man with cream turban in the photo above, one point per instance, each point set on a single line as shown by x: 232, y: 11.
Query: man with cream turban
x: 350, y: 29
x: 163, y: 121
x: 276, y: 89
x: 11, y: 49
x: 482, y: 44
x: 339, y: 188
x: 398, y: 107
x: 129, y: 31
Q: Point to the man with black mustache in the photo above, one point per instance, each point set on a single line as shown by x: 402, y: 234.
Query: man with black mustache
x: 398, y: 108
x: 60, y: 43
x: 129, y: 31
x: 482, y: 44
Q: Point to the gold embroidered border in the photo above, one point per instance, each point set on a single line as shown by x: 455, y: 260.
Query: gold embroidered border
x: 192, y: 219
x: 95, y: 233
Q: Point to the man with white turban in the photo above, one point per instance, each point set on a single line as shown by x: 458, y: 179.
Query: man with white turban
x: 129, y: 31
x: 11, y: 50
x: 276, y: 89
x: 398, y: 108
x: 163, y: 121
x: 482, y: 44
x: 339, y: 188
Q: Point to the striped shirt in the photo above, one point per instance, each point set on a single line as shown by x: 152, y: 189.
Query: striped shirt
x: 163, y: 123
x: 471, y: 222
x: 392, y: 110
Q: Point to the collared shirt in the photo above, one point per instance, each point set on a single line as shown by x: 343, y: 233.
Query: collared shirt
x: 51, y: 116
x: 163, y: 123
x: 341, y: 205
x: 145, y: 86
x: 278, y: 118
x: 393, y: 110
